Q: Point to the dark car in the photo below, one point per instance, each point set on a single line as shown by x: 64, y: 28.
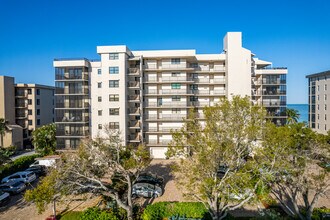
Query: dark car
x: 13, y: 187
x: 150, y: 178
x: 146, y: 190
x: 38, y: 170
x: 4, y: 198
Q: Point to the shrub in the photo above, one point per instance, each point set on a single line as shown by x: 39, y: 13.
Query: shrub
x: 19, y: 164
x: 97, y: 214
x: 71, y: 216
x: 162, y: 210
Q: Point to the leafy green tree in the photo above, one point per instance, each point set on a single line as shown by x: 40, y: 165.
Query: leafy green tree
x: 293, y: 116
x: 3, y: 129
x: 96, y: 168
x: 217, y: 167
x: 290, y: 155
x: 4, y: 158
x: 44, y: 139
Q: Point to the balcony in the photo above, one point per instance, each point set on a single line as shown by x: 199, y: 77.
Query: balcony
x: 275, y: 93
x: 21, y: 105
x: 21, y: 94
x: 134, y: 111
x: 173, y: 79
x: 21, y: 116
x: 206, y: 68
x: 71, y: 91
x: 135, y: 138
x: 133, y: 85
x: 72, y: 119
x: 180, y: 66
x: 207, y: 92
x: 274, y: 103
x: 67, y: 133
x: 169, y: 117
x: 167, y: 104
x: 71, y: 77
x: 160, y: 142
x: 134, y: 98
x: 199, y: 103
x: 134, y: 124
x: 134, y: 71
x: 270, y: 82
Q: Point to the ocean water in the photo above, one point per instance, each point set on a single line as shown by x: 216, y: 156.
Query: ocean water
x: 302, y: 110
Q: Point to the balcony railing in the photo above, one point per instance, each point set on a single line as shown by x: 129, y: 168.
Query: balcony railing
x: 73, y: 119
x: 21, y: 105
x: 134, y: 97
x: 67, y: 76
x: 134, y: 111
x: 21, y: 94
x: 167, y: 104
x: 277, y: 92
x: 172, y: 79
x: 135, y: 124
x: 79, y: 133
x: 133, y: 84
x: 135, y: 138
x: 134, y: 71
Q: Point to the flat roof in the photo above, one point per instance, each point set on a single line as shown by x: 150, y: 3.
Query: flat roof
x: 325, y: 73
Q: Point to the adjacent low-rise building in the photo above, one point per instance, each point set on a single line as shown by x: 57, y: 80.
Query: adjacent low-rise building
x: 319, y: 101
x: 146, y: 94
x: 25, y: 107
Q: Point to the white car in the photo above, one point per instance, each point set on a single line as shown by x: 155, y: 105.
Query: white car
x: 25, y: 176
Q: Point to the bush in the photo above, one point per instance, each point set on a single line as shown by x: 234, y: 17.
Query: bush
x: 97, y: 214
x: 71, y: 216
x: 19, y: 164
x: 162, y: 210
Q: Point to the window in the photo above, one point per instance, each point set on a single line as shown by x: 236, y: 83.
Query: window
x: 194, y: 75
x: 99, y: 126
x: 113, y: 56
x: 113, y: 83
x: 318, y: 88
x: 318, y: 107
x: 114, y: 125
x: 176, y: 98
x: 38, y: 101
x: 175, y: 61
x: 193, y: 87
x: 176, y: 85
x: 99, y: 112
x: 175, y: 74
x: 114, y: 98
x: 318, y: 116
x: 99, y: 98
x: 193, y: 98
x: 38, y: 121
x: 325, y: 87
x: 113, y: 111
x: 325, y: 127
x: 194, y: 65
x: 38, y: 111
x: 99, y: 85
x: 325, y: 107
x: 29, y: 101
x: 318, y: 98
x: 99, y: 71
x: 38, y: 91
x: 29, y: 91
x: 325, y: 117
x: 29, y: 112
x: 325, y: 97
x: 176, y: 110
x: 30, y: 122
x: 114, y: 70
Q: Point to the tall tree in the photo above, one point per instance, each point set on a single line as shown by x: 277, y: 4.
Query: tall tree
x: 3, y: 129
x: 292, y: 154
x: 217, y: 168
x: 96, y: 168
x: 44, y: 139
x: 293, y: 116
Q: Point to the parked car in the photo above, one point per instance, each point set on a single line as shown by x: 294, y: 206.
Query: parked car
x: 146, y: 190
x: 38, y: 170
x: 150, y: 178
x: 25, y: 176
x: 13, y: 187
x: 4, y: 198
x: 47, y: 161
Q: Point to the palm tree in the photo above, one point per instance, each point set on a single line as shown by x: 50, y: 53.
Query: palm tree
x: 3, y: 129
x: 293, y: 115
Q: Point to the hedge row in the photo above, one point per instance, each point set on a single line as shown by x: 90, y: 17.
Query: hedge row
x: 19, y: 164
x: 161, y: 210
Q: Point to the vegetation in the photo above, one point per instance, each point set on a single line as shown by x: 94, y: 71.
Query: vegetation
x: 97, y: 167
x: 19, y: 164
x: 44, y: 139
x: 161, y: 210
x: 217, y: 168
x: 290, y: 157
x: 293, y: 116
x: 3, y: 129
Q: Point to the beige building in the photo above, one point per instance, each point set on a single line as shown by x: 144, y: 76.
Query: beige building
x: 319, y: 101
x: 34, y: 108
x: 25, y: 107
x: 145, y: 94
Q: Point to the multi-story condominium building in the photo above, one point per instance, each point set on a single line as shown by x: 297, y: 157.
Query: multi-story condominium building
x: 25, y: 107
x: 318, y: 101
x: 34, y: 107
x: 146, y: 94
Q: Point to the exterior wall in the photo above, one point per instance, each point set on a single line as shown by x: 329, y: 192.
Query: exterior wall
x: 157, y: 89
x: 7, y: 101
x: 318, y: 102
x: 105, y: 91
x: 14, y: 137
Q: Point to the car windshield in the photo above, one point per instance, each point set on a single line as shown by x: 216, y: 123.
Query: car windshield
x: 30, y: 174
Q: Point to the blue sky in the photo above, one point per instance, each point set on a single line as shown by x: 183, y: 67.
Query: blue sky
x: 291, y: 33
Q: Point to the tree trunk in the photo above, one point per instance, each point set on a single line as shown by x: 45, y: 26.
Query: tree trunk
x: 54, y: 208
x: 130, y: 213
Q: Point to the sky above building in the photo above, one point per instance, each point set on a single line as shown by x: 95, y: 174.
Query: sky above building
x: 293, y: 34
